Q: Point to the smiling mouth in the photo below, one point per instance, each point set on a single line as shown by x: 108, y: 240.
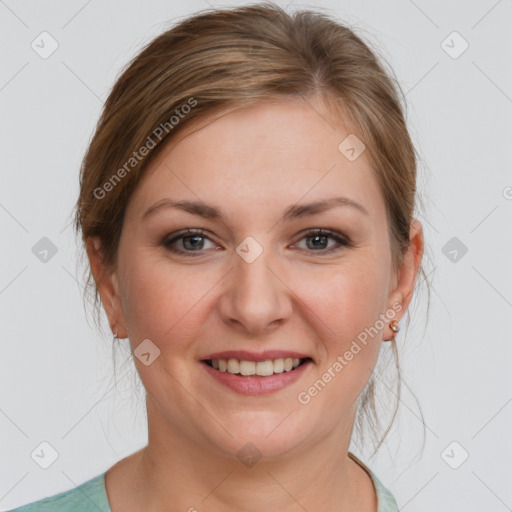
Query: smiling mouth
x: 256, y: 369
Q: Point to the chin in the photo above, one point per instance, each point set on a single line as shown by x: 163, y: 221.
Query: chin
x: 264, y: 436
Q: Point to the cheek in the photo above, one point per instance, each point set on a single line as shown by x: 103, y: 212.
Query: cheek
x: 160, y: 299
x: 346, y: 299
x: 344, y: 313
x: 345, y: 305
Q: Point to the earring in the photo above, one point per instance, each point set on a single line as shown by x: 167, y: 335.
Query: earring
x: 393, y: 325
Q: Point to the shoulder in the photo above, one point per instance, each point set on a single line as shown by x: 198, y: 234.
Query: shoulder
x: 386, y: 501
x: 90, y: 496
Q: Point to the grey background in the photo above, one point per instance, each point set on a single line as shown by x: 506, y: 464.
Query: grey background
x: 56, y: 371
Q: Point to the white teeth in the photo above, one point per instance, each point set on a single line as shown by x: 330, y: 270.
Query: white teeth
x: 247, y: 368
x: 233, y: 366
x: 264, y: 368
x: 278, y: 365
x: 261, y: 368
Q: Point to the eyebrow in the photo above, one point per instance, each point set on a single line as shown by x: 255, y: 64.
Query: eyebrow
x: 292, y: 212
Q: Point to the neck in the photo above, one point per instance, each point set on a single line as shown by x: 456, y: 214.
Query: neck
x: 174, y: 472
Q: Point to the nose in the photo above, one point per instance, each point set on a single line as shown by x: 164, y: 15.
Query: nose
x: 256, y: 299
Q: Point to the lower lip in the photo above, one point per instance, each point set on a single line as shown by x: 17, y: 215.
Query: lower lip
x: 252, y: 385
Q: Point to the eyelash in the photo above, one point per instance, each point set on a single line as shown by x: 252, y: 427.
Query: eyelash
x: 191, y: 233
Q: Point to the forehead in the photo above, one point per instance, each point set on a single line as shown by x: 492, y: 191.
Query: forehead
x: 260, y: 158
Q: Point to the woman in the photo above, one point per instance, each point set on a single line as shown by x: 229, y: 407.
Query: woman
x: 247, y: 205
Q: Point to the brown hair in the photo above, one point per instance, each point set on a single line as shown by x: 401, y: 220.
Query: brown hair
x: 220, y: 60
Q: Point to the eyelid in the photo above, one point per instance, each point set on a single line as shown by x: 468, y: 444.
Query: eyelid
x: 179, y: 235
x: 325, y: 231
x: 342, y: 241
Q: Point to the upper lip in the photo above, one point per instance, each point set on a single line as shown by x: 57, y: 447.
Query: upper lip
x: 244, y: 355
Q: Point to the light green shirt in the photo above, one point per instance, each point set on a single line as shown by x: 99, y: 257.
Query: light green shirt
x: 91, y: 496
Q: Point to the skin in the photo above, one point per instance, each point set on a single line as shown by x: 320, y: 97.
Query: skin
x: 252, y: 163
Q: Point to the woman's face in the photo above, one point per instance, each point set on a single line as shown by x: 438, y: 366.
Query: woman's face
x: 255, y: 280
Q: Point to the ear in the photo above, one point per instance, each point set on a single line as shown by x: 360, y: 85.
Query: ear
x: 107, y: 281
x: 407, y: 273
